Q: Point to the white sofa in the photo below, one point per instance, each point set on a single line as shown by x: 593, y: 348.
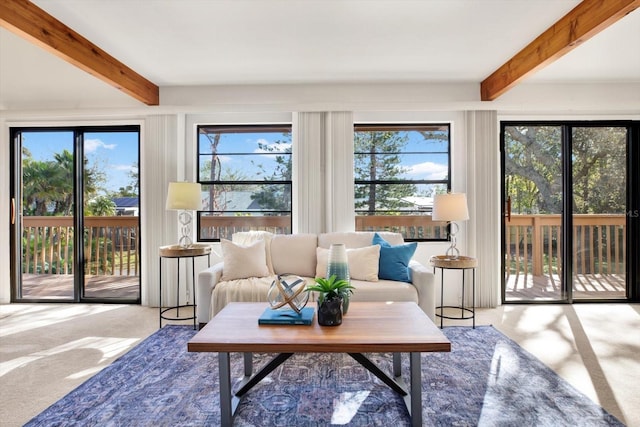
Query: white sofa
x: 298, y: 254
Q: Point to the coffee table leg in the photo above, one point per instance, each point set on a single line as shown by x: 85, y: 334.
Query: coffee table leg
x: 248, y: 364
x: 416, y: 389
x: 397, y: 365
x: 224, y: 369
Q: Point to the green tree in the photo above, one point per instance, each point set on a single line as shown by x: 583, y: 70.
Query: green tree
x: 212, y: 170
x: 101, y: 206
x: 599, y: 170
x: 133, y: 188
x: 48, y: 185
x: 277, y: 198
x: 533, y: 168
x: 377, y: 159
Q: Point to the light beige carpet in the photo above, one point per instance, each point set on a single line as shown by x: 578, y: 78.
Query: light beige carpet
x: 46, y: 350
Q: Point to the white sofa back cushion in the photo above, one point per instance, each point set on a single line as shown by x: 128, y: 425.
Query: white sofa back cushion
x: 357, y: 239
x: 363, y: 262
x: 241, y: 262
x: 246, y: 238
x: 294, y: 254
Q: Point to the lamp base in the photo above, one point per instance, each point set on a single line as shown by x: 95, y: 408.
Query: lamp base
x: 453, y: 252
x: 185, y: 228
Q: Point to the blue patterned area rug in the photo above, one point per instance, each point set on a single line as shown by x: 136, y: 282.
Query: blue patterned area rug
x: 486, y: 380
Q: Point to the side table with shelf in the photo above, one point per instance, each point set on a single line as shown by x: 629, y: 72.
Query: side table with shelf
x: 463, y: 263
x: 177, y: 252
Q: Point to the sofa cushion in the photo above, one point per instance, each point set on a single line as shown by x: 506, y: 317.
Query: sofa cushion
x: 294, y: 254
x: 363, y: 262
x: 246, y: 238
x: 394, y: 259
x: 383, y: 291
x: 243, y: 261
x: 357, y: 239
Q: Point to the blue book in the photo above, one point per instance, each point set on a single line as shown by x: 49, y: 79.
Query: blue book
x: 286, y: 317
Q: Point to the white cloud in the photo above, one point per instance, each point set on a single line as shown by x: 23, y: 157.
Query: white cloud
x: 278, y: 147
x: 91, y: 145
x: 429, y: 170
x: 127, y: 168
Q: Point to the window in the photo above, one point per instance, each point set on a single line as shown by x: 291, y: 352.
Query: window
x: 245, y: 172
x: 397, y: 171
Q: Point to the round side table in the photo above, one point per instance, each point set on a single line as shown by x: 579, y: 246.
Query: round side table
x: 463, y: 263
x: 177, y: 252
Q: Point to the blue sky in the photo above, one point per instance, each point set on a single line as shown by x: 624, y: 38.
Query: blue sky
x: 115, y: 153
x: 419, y: 166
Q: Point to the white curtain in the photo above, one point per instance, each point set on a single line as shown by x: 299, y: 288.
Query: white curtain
x: 159, y: 227
x: 322, y: 164
x: 483, y: 192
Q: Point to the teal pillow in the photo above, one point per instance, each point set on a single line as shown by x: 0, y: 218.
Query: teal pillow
x: 394, y: 260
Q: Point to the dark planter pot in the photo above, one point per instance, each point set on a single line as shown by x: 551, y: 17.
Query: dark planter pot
x: 330, y: 312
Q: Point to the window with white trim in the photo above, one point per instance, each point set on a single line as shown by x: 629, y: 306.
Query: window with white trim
x: 245, y: 172
x: 397, y: 171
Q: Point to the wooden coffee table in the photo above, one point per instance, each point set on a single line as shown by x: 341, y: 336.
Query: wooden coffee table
x: 369, y: 327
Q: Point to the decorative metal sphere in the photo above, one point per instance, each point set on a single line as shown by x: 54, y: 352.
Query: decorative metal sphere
x: 288, y: 289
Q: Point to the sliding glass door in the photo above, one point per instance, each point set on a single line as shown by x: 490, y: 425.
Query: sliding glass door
x: 599, y: 183
x: 66, y: 180
x: 565, y: 194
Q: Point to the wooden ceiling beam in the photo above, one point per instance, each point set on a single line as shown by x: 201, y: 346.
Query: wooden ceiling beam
x: 583, y: 22
x: 34, y: 24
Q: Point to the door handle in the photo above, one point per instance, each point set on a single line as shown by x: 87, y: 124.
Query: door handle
x: 13, y: 211
x: 508, y: 209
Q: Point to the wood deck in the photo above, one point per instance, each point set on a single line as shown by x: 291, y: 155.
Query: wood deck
x: 60, y: 286
x: 526, y: 287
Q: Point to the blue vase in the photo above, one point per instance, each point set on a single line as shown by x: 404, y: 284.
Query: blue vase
x: 338, y: 265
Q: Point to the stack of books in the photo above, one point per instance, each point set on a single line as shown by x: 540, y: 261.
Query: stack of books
x: 286, y: 317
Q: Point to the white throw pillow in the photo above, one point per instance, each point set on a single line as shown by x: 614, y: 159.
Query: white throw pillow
x: 363, y: 262
x: 241, y: 262
x: 246, y: 238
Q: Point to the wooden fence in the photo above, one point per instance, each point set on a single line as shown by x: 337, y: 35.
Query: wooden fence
x: 110, y: 245
x: 411, y: 227
x: 534, y: 244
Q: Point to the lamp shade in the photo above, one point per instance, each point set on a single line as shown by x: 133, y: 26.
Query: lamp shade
x: 184, y: 196
x: 450, y: 207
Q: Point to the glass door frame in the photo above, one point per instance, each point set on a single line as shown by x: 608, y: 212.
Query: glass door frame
x: 632, y: 209
x: 78, y: 214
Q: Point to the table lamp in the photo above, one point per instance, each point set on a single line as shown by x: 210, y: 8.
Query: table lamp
x: 451, y: 207
x: 184, y: 197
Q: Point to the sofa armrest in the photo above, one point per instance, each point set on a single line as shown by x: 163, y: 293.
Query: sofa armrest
x: 207, y: 280
x: 423, y: 279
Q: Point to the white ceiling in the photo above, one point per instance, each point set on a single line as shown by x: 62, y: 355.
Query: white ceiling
x: 221, y: 42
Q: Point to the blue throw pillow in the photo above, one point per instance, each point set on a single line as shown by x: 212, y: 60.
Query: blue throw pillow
x: 394, y: 260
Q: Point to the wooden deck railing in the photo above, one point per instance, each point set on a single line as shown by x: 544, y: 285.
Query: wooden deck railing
x: 533, y: 241
x: 410, y: 226
x: 110, y: 245
x: 534, y: 244
x: 223, y: 227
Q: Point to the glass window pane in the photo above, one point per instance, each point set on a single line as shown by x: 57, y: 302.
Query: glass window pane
x: 245, y: 167
x: 247, y: 197
x: 246, y: 173
x: 399, y: 198
x: 397, y: 171
x: 426, y: 167
x: 243, y: 142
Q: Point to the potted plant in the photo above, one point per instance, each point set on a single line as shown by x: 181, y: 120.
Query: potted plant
x: 332, y: 293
